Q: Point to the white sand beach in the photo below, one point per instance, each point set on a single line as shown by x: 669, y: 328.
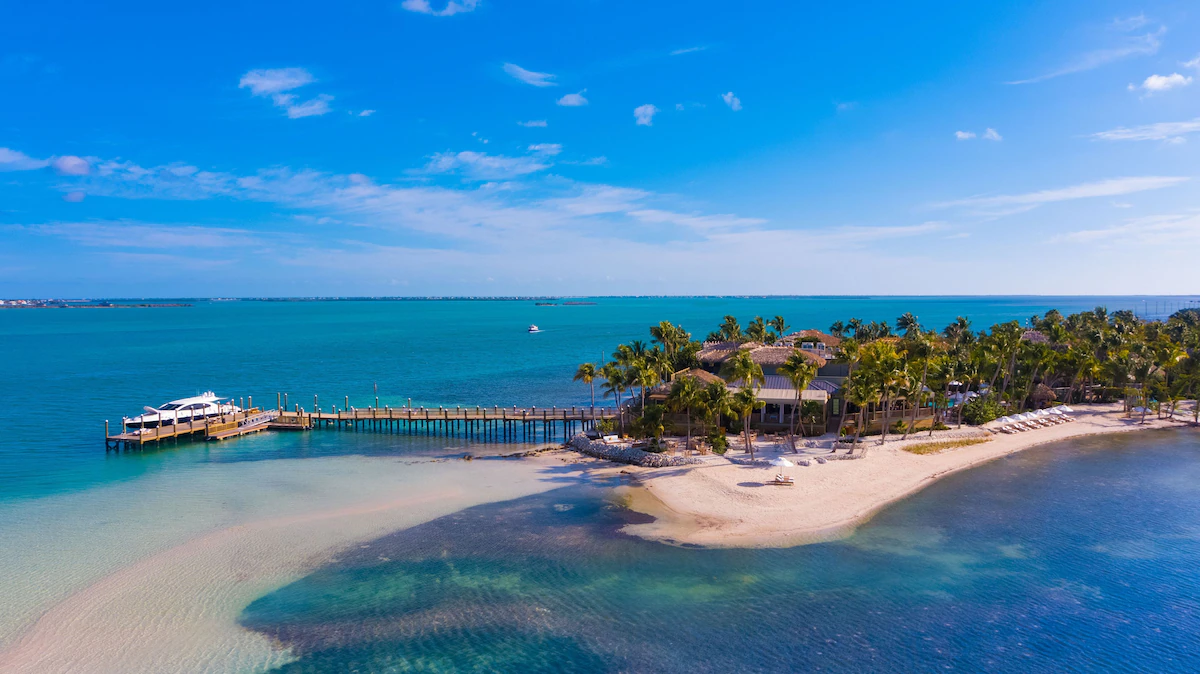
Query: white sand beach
x: 724, y: 504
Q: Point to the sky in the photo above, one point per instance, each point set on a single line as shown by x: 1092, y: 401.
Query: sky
x: 598, y: 147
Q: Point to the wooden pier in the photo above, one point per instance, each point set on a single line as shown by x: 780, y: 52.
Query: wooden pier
x: 484, y: 424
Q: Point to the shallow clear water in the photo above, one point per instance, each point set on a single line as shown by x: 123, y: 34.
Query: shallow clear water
x: 1076, y: 557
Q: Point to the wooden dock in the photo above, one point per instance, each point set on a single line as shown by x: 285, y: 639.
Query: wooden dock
x: 486, y: 424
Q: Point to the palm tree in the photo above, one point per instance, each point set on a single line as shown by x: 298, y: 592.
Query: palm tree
x: 684, y: 395
x: 645, y: 374
x: 730, y: 331
x: 715, y: 404
x: 849, y: 354
x: 615, y: 383
x: 744, y: 402
x: 921, y: 347
x: 861, y: 392
x: 587, y: 374
x: 908, y: 324
x: 742, y: 368
x: 757, y: 330
x: 779, y: 325
x: 800, y: 371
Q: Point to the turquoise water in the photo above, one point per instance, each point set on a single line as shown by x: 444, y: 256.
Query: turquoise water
x: 1079, y: 557
x: 67, y: 370
x: 1069, y: 559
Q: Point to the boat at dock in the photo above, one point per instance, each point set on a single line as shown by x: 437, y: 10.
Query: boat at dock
x: 195, y: 408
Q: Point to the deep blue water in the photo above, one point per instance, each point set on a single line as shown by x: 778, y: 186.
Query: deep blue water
x: 67, y: 370
x: 1078, y: 557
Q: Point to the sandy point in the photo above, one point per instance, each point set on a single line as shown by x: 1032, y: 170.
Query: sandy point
x: 728, y: 504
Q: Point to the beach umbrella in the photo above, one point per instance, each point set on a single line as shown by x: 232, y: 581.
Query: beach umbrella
x: 1065, y: 409
x: 1004, y: 420
x: 780, y: 462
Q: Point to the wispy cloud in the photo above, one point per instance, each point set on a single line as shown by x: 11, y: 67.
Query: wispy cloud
x: 992, y: 134
x: 545, y: 149
x: 573, y: 100
x: 366, y: 113
x: 1159, y: 83
x: 122, y: 234
x: 533, y: 123
x: 1102, y: 188
x: 530, y: 77
x: 276, y: 83
x: 732, y: 101
x: 1159, y: 230
x: 964, y: 135
x: 452, y: 7
x: 687, y: 50
x: 483, y: 166
x: 70, y: 165
x: 12, y: 160
x: 697, y: 222
x: 644, y: 114
x: 1168, y: 131
x: 1136, y: 45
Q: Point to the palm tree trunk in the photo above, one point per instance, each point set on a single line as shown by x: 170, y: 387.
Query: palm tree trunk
x: 920, y: 395
x: 887, y: 412
x: 845, y: 407
x: 593, y: 385
x: 688, y: 447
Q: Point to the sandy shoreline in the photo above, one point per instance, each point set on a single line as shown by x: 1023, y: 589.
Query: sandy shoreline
x: 176, y: 610
x: 724, y: 504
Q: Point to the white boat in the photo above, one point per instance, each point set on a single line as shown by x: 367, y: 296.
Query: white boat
x: 183, y: 410
x: 534, y: 328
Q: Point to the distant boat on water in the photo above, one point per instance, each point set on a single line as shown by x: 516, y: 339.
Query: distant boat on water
x: 534, y: 328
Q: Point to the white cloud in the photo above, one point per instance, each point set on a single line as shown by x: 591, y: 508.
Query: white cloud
x: 366, y: 113
x: 992, y: 134
x: 1159, y: 83
x: 12, y: 160
x: 452, y: 7
x: 530, y: 77
x: 964, y: 135
x: 679, y: 107
x: 547, y: 149
x: 644, y: 114
x: 135, y: 235
x: 573, y: 100
x: 687, y: 50
x: 1168, y: 131
x: 483, y: 166
x: 275, y: 83
x: 70, y: 165
x: 533, y: 123
x: 732, y: 101
x: 1102, y: 188
x: 1194, y: 63
x: 1154, y: 231
x: 1138, y: 45
x: 701, y: 223
x: 311, y: 108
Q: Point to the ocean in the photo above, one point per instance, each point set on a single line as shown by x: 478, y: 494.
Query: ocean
x: 1070, y: 558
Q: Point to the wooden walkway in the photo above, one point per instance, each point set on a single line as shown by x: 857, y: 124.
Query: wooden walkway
x: 491, y: 424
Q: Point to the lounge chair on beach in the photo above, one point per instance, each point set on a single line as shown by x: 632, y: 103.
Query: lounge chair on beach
x: 782, y: 479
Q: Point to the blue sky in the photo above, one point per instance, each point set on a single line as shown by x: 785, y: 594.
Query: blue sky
x: 491, y: 147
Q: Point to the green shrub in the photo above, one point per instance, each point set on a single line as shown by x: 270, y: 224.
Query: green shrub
x: 606, y: 426
x: 718, y: 442
x: 939, y: 426
x: 981, y: 410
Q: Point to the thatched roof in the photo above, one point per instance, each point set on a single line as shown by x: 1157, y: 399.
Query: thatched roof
x: 771, y: 356
x: 827, y: 339
x: 774, y: 356
x: 715, y: 353
x: 702, y: 377
x: 1043, y: 394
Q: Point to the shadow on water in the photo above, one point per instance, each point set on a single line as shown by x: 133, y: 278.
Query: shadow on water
x: 1077, y: 557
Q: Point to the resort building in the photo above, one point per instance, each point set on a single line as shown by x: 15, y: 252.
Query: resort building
x: 776, y: 392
